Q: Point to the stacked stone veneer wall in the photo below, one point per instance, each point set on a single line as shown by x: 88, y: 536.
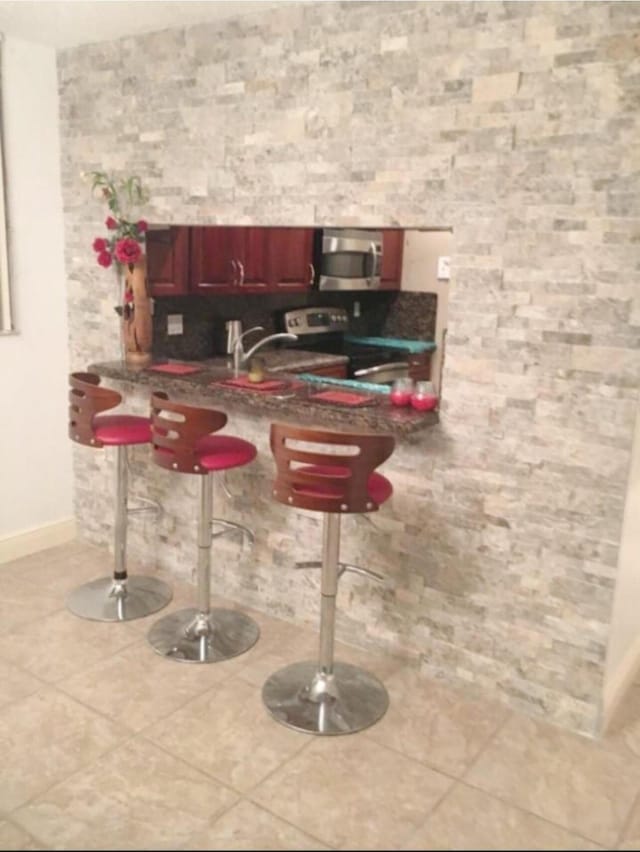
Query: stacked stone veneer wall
x: 517, y: 124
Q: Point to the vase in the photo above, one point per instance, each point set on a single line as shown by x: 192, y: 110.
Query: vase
x: 137, y: 323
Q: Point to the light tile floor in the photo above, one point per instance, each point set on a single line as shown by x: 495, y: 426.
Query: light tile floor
x: 105, y: 745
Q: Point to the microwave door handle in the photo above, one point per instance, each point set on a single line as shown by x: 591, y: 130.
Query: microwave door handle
x: 374, y: 261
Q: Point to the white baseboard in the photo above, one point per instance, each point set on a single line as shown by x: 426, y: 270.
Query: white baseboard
x: 31, y: 541
x: 616, y: 686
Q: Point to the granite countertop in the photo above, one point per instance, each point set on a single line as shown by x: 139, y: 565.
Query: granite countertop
x: 291, y: 403
x: 296, y: 360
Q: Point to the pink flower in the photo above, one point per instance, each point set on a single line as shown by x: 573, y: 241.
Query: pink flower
x: 128, y: 250
x: 111, y: 223
x: 99, y: 244
x: 104, y: 258
x: 142, y: 226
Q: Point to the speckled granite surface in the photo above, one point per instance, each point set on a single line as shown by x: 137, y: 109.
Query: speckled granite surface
x: 292, y: 404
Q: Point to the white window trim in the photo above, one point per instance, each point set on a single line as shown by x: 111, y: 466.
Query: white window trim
x: 6, y: 316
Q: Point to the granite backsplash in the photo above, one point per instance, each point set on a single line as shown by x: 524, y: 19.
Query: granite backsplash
x: 393, y: 314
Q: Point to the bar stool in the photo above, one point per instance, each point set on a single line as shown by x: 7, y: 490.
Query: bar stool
x: 182, y: 441
x: 120, y: 597
x: 327, y: 697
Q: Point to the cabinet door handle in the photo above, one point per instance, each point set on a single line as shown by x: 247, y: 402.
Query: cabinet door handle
x: 240, y: 281
x: 234, y: 277
x: 312, y: 273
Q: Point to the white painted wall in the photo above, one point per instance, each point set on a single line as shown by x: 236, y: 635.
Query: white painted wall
x: 623, y: 653
x: 420, y: 274
x: 35, y: 453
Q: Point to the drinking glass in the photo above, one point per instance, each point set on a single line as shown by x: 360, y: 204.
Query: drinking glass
x: 401, y: 390
x: 423, y: 397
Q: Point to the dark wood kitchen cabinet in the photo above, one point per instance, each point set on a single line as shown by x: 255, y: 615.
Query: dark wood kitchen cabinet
x: 290, y: 264
x: 392, y: 250
x: 250, y: 260
x: 167, y: 251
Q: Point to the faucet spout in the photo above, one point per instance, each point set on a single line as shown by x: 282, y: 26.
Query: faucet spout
x: 285, y: 335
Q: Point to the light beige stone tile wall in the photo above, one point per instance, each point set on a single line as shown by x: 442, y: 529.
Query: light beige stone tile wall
x: 515, y: 123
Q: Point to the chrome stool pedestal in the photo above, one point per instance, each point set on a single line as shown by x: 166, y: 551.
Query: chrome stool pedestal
x: 183, y: 442
x: 120, y: 597
x: 204, y: 635
x: 326, y: 697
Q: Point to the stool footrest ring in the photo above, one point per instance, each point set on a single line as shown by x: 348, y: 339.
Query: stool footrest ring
x: 231, y: 527
x: 149, y: 507
x: 342, y: 567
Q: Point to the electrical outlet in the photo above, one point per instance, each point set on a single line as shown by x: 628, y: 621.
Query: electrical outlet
x: 443, y: 268
x: 174, y: 324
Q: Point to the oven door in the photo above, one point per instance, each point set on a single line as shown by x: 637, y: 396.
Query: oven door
x: 382, y: 374
x: 350, y: 259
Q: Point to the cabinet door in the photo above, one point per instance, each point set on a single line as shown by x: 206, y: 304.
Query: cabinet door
x: 420, y: 366
x: 214, y: 259
x: 392, y: 246
x: 168, y: 261
x: 252, y: 258
x: 291, y: 259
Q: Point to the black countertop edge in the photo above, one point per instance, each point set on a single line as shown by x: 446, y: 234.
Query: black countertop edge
x: 291, y: 405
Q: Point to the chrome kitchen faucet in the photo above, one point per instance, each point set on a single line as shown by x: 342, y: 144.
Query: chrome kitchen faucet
x: 241, y: 357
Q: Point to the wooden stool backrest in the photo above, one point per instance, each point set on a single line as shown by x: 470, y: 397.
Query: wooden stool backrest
x: 86, y: 399
x: 175, y: 437
x: 343, y: 488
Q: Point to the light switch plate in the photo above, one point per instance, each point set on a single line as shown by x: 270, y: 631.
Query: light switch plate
x: 443, y: 268
x: 174, y: 324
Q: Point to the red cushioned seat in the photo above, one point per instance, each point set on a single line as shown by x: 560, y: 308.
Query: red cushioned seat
x: 378, y: 486
x: 220, y: 452
x: 122, y: 429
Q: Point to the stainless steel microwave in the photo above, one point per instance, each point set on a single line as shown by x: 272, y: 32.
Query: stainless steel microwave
x: 350, y: 259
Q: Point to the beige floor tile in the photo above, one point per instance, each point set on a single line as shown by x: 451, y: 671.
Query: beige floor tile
x: 44, y: 738
x: 569, y: 780
x: 136, y: 797
x: 228, y: 733
x: 15, y: 838
x: 352, y: 793
x: 15, y: 684
x: 471, y: 819
x: 435, y: 723
x: 246, y: 826
x: 624, y: 729
x: 61, y: 644
x: 137, y: 687
x: 631, y: 834
x: 273, y: 656
x: 58, y: 570
x: 22, y: 604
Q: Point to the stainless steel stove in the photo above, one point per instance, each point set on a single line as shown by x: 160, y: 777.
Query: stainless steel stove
x: 323, y: 330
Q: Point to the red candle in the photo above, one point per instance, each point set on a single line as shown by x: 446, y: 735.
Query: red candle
x: 400, y: 397
x: 424, y: 402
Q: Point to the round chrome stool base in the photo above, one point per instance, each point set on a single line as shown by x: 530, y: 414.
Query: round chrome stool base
x: 343, y: 702
x: 187, y: 636
x: 107, y: 599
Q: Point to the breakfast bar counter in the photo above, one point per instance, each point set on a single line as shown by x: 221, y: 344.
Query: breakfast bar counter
x: 283, y: 396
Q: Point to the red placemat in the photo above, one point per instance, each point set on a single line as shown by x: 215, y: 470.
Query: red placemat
x: 175, y: 369
x: 268, y: 385
x: 342, y: 397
